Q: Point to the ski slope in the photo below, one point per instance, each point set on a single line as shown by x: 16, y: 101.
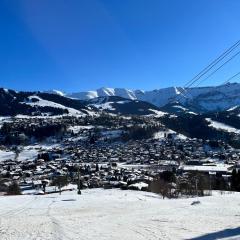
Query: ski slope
x: 45, y: 103
x: 115, y: 214
x: 222, y: 126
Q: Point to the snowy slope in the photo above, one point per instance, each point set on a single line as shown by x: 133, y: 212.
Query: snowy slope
x: 6, y: 155
x: 45, y: 103
x: 14, y: 103
x: 222, y: 126
x: 119, y: 105
x: 177, y: 108
x: 120, y: 215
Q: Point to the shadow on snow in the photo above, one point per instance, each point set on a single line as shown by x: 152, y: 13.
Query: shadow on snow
x: 234, y: 232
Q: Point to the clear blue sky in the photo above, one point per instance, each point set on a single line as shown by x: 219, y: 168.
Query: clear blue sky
x: 76, y: 45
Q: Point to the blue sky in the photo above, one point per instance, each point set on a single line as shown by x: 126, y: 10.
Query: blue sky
x: 76, y: 45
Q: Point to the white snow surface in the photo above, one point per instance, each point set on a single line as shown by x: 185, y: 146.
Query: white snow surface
x: 6, y: 155
x: 78, y: 128
x: 120, y: 215
x: 104, y: 106
x: 161, y: 134
x: 232, y: 108
x: 157, y: 113
x: 222, y: 126
x: 27, y: 152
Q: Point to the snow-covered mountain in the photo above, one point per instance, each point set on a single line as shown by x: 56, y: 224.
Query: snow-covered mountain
x: 174, y: 100
x: 54, y: 103
x: 104, y: 92
x: 14, y: 103
x: 204, y: 99
x: 119, y: 105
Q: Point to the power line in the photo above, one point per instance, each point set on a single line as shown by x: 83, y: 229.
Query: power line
x: 212, y: 64
x: 208, y: 68
x: 230, y: 59
x: 228, y: 80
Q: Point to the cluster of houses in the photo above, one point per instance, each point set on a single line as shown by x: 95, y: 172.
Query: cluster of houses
x: 112, y: 163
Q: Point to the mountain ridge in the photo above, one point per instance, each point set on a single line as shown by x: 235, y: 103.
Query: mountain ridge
x: 177, y: 100
x: 204, y: 99
x: 48, y: 104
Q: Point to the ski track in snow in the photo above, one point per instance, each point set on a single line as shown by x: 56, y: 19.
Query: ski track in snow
x: 115, y: 214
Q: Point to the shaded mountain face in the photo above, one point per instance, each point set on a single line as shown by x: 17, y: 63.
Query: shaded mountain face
x: 119, y: 105
x: 200, y: 99
x: 177, y: 108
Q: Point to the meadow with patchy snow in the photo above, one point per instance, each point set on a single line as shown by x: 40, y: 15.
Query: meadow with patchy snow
x: 115, y: 214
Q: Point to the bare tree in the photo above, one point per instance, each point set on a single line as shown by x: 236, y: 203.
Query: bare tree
x: 162, y: 187
x: 60, y: 182
x: 14, y: 189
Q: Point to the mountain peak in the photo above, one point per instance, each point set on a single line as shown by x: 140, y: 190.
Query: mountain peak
x: 205, y: 98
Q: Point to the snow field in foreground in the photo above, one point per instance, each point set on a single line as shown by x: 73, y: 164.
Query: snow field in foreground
x: 115, y: 214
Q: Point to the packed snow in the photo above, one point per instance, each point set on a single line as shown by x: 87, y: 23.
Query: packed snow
x: 116, y: 214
